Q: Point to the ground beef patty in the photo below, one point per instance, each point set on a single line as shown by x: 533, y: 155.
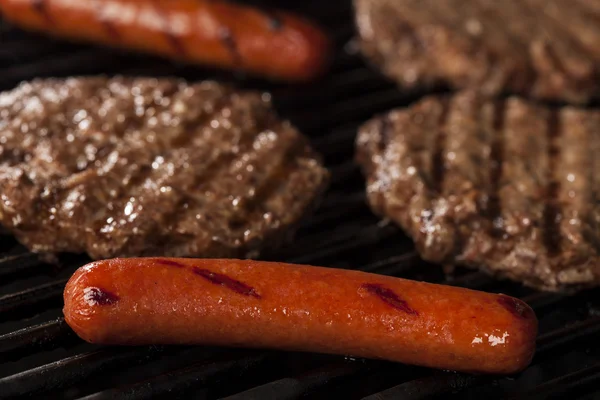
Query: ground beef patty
x: 142, y: 166
x: 547, y: 49
x: 506, y: 186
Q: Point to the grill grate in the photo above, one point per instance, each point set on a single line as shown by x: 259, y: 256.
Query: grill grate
x: 41, y: 357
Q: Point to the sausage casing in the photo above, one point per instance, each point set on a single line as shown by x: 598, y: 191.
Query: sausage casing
x: 278, y: 45
x: 238, y: 303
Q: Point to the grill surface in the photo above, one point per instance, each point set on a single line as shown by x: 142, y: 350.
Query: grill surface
x: 40, y: 356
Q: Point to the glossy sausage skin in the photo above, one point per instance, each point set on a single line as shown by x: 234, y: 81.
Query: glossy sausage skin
x: 281, y: 306
x: 277, y: 44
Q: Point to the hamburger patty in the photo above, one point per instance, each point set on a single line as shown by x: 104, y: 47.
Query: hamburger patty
x: 547, y: 49
x: 142, y: 166
x: 506, y: 186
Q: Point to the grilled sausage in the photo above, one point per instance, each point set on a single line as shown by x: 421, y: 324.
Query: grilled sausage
x: 139, y: 301
x: 278, y: 44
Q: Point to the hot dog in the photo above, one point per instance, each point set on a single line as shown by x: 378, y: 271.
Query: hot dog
x: 238, y: 303
x: 278, y: 45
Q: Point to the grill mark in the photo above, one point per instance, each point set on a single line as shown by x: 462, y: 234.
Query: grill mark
x: 516, y: 307
x: 214, y: 277
x: 386, y: 130
x: 549, y: 48
x: 220, y: 163
x: 556, y: 61
x: 223, y: 160
x: 124, y: 192
x: 552, y: 211
x: 41, y: 7
x: 573, y: 36
x: 274, y: 22
x: 95, y: 296
x: 550, y: 25
x: 108, y: 26
x: 225, y: 281
x: 101, y: 159
x: 169, y: 263
x: 111, y: 29
x: 438, y: 167
x: 389, y: 297
x: 174, y: 41
x: 592, y: 8
x: 137, y: 179
x: 228, y: 40
x: 494, y: 207
x: 532, y: 15
x: 525, y: 81
x: 580, y: 10
x: 446, y: 16
x: 275, y: 178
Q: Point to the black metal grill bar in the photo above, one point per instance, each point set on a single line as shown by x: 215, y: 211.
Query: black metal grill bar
x: 342, y: 173
x: 20, y: 51
x: 46, y: 336
x: 184, y: 379
x: 320, y: 240
x: 443, y: 383
x: 338, y: 142
x: 473, y: 280
x: 65, y: 372
x: 295, y: 387
x: 84, y: 62
x: 32, y: 297
x: 326, y: 218
x: 585, y: 380
x: 436, y: 384
x: 567, y: 335
x: 341, y: 200
x: 543, y: 299
x: 394, y: 265
x: 354, y: 110
x: 365, y: 238
x: 18, y: 264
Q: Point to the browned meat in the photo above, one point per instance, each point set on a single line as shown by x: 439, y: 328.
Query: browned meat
x: 546, y: 49
x: 507, y: 186
x: 123, y: 167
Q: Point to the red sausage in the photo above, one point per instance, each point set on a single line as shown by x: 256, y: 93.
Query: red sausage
x: 278, y: 44
x: 238, y: 303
